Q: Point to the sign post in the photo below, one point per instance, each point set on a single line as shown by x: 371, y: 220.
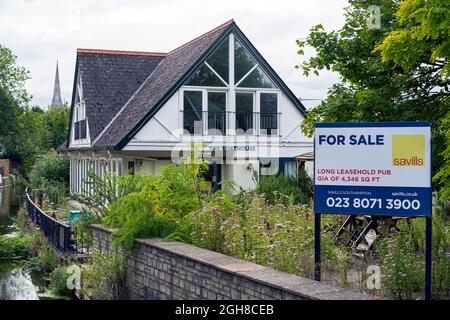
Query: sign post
x: 380, y: 169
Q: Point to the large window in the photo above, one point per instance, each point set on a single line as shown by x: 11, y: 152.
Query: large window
x: 268, y: 113
x: 244, y: 113
x: 221, y: 101
x: 192, y: 112
x: 217, y: 113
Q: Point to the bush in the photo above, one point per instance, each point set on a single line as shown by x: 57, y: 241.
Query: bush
x: 37, y: 241
x: 48, y: 258
x: 276, y: 187
x: 58, y: 282
x: 50, y: 170
x: 403, y: 261
x: 154, y: 206
x: 103, y: 277
x: 14, y: 245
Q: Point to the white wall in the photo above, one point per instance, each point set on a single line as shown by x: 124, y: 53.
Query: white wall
x: 161, y: 127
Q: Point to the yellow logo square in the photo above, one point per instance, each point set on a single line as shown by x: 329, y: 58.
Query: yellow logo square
x: 408, y: 150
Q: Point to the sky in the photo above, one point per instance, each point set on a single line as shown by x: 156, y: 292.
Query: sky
x: 40, y: 32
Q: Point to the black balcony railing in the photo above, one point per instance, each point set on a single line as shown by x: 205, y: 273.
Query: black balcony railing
x: 269, y: 123
x: 193, y: 121
x: 244, y: 121
x: 219, y: 122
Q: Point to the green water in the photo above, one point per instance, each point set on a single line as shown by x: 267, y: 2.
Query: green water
x: 15, y: 282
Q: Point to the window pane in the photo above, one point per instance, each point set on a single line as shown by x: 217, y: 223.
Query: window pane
x: 257, y: 79
x: 269, y: 116
x: 192, y: 114
x: 216, y: 112
x: 243, y: 62
x: 219, y: 60
x: 244, y: 111
x: 268, y: 102
x: 204, y: 77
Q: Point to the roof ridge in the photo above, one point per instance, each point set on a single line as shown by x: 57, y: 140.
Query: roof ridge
x: 202, y: 35
x: 123, y: 52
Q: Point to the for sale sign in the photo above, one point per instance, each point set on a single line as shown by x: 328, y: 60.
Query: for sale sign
x: 373, y: 168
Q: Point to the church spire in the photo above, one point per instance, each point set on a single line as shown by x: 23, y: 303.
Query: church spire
x: 56, y: 90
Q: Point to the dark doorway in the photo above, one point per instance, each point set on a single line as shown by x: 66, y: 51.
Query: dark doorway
x: 214, y: 174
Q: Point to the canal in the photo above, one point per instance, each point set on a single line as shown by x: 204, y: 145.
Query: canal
x: 16, y: 283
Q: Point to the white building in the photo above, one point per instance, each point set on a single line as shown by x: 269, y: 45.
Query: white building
x: 138, y: 111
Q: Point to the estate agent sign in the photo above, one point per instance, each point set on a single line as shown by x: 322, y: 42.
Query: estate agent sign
x: 373, y: 168
x: 381, y: 168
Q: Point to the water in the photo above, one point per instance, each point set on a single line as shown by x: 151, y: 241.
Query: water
x: 15, y: 282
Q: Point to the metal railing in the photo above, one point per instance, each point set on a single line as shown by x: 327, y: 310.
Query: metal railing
x: 59, y: 234
x: 260, y: 123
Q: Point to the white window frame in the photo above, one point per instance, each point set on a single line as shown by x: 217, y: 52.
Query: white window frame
x: 231, y: 89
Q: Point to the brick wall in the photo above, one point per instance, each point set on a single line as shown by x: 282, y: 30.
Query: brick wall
x: 159, y: 269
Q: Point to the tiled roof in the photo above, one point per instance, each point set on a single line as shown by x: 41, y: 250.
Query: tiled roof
x: 109, y: 79
x: 157, y: 86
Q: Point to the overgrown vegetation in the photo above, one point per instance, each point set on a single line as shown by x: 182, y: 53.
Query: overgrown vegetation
x: 299, y: 189
x: 14, y: 245
x: 103, y: 277
x: 271, y: 228
x: 50, y: 170
x: 58, y: 282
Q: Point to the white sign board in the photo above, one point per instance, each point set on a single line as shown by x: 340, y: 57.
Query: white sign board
x: 373, y: 168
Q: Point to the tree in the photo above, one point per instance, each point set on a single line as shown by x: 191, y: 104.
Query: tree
x: 13, y: 77
x: 56, y: 123
x: 25, y: 132
x: 12, y: 97
x: 374, y: 85
x: 423, y: 43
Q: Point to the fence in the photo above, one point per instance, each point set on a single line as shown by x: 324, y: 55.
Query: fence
x: 59, y: 234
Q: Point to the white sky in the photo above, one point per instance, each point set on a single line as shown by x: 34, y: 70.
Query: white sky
x: 41, y: 31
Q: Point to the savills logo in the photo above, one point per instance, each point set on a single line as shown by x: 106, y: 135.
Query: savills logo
x: 408, y: 150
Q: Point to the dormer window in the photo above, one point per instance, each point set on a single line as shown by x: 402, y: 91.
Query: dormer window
x: 79, y: 115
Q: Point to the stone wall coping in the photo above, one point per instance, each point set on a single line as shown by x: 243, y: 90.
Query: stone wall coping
x: 294, y: 284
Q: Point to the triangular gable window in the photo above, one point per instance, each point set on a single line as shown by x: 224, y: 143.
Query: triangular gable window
x: 247, y: 73
x: 214, y: 71
x: 243, y: 62
x: 219, y: 60
x: 257, y: 79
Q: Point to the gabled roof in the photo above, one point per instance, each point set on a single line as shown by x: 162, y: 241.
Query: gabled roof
x: 158, y: 87
x: 109, y: 78
x: 162, y: 81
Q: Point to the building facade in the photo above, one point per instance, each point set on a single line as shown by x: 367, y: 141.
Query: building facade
x: 139, y: 111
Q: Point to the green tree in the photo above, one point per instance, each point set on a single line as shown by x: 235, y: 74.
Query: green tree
x: 12, y: 97
x: 374, y: 87
x: 13, y: 77
x: 422, y: 42
x: 56, y: 122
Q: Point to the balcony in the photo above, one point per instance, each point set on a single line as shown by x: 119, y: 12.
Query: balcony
x: 221, y: 123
